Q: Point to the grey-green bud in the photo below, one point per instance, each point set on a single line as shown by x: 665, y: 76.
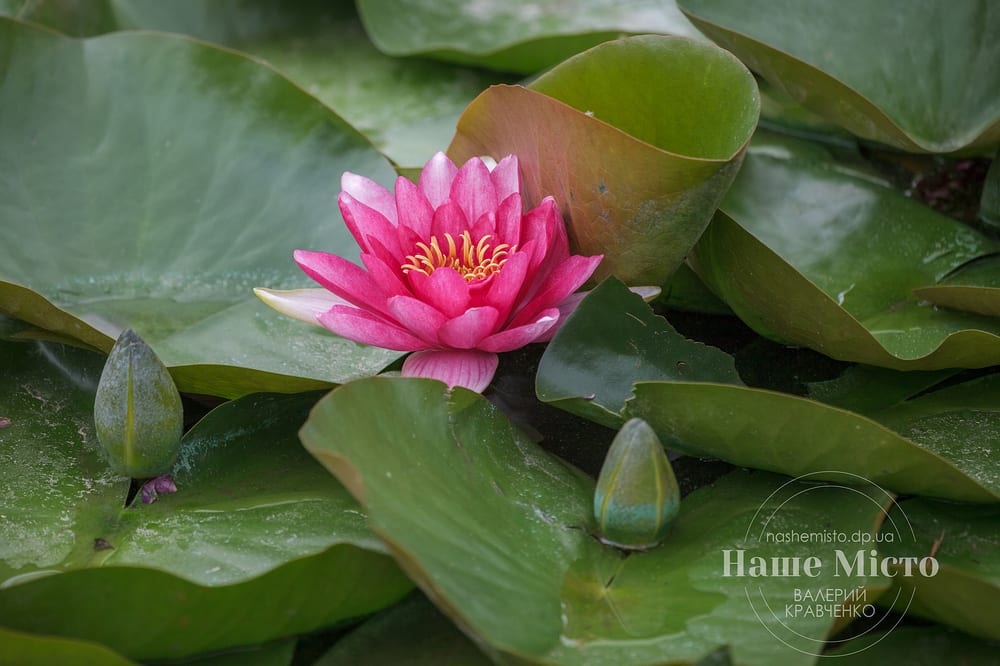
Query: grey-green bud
x: 637, y: 495
x: 138, y: 411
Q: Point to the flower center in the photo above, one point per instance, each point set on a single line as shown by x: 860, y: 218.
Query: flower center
x: 473, y: 261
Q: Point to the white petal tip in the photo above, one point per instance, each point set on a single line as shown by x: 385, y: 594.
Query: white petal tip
x: 302, y: 304
x: 647, y: 294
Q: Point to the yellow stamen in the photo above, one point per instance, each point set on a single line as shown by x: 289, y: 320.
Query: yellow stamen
x: 474, y: 262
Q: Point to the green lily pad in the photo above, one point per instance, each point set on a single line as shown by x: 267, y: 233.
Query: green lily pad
x: 807, y: 251
x: 498, y: 534
x: 613, y: 347
x: 406, y: 107
x: 411, y: 633
x: 636, y: 169
x: 781, y: 113
x: 516, y: 36
x: 80, y: 18
x: 958, y: 423
x: 920, y: 449
x: 867, y: 388
x: 973, y: 288
x: 32, y: 650
x: 685, y: 291
x: 965, y: 593
x: 612, y: 340
x: 274, y: 653
x: 918, y: 75
x: 23, y: 649
x: 916, y: 646
x: 168, y: 198
x: 254, y: 518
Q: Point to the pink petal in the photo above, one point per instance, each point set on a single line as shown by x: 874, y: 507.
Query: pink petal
x: 387, y: 257
x: 368, y: 329
x: 370, y: 193
x: 547, y: 228
x: 385, y: 276
x: 435, y: 179
x: 470, y: 368
x: 466, y: 330
x: 517, y: 337
x: 545, y: 225
x: 485, y: 226
x: 559, y: 242
x: 508, y: 224
x: 417, y: 317
x: 302, y: 304
x: 560, y: 283
x: 449, y: 218
x: 443, y: 289
x: 508, y: 284
x: 413, y: 209
x: 506, y: 177
x: 536, y: 224
x: 347, y: 280
x: 366, y: 223
x: 473, y: 189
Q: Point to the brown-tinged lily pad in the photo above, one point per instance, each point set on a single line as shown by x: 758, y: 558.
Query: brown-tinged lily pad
x: 638, y: 163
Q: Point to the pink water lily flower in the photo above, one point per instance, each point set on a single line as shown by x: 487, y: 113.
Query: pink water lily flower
x: 454, y: 270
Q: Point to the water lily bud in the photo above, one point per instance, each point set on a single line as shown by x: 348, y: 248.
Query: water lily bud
x: 138, y: 411
x: 637, y: 494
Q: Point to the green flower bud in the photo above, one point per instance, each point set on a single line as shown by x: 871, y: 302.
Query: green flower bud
x: 138, y: 411
x: 637, y: 494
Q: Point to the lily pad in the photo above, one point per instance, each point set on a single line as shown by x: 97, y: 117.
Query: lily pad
x: 612, y: 340
x: 636, y: 169
x: 498, y: 534
x: 22, y: 649
x: 518, y: 35
x: 915, y: 452
x: 939, y: 444
x: 32, y: 650
x: 411, y: 633
x: 406, y: 107
x: 254, y: 518
x: 959, y: 423
x: 158, y: 207
x: 808, y: 251
x: 916, y: 646
x: 781, y: 113
x: 973, y: 288
x: 275, y: 653
x: 918, y: 75
x: 685, y: 291
x: 867, y: 388
x: 965, y: 593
